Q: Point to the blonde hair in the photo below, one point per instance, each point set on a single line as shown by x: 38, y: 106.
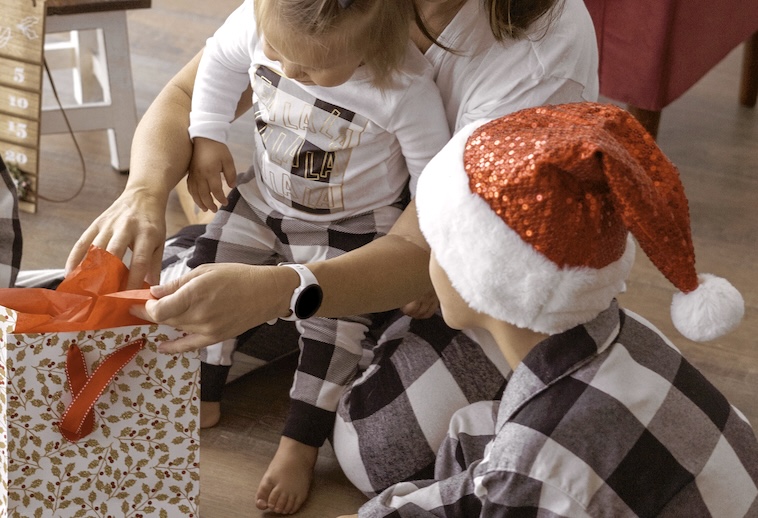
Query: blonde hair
x: 380, y: 29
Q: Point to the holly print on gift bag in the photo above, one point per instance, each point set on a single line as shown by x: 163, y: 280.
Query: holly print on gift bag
x: 142, y: 456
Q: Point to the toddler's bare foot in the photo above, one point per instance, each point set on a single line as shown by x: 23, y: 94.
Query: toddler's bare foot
x: 287, y: 481
x: 210, y: 413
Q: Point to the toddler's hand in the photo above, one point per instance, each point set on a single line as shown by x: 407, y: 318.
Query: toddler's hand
x: 210, y: 160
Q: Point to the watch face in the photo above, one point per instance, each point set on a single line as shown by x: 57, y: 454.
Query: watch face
x: 309, y: 301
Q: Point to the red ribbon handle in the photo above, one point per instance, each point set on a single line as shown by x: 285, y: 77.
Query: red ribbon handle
x: 78, y: 420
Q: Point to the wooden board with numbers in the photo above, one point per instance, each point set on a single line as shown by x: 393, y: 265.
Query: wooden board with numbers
x: 22, y: 38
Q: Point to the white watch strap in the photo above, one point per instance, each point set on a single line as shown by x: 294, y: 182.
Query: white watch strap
x: 306, y: 279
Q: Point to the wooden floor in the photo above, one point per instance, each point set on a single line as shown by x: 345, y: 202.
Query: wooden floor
x: 706, y: 133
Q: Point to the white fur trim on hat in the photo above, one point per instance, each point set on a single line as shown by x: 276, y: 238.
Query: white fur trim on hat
x: 711, y: 310
x: 492, y: 268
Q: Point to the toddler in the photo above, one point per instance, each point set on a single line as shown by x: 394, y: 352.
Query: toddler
x: 347, y: 116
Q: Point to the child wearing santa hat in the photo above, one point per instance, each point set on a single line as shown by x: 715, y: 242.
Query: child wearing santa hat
x: 530, y: 219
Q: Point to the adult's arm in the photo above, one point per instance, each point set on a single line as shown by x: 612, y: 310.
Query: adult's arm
x: 161, y: 152
x: 379, y: 276
x: 218, y: 301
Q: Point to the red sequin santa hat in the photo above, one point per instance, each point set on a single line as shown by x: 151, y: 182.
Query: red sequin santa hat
x: 532, y: 215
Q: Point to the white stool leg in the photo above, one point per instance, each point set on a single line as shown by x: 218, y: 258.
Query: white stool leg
x: 87, y: 50
x: 121, y: 131
x: 117, y: 112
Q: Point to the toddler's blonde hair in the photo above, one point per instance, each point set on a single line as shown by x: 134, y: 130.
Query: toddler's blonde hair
x: 380, y: 28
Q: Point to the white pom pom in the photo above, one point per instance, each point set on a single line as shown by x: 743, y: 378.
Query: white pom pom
x: 712, y: 310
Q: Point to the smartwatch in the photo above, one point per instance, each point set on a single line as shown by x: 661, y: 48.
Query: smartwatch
x: 306, y: 299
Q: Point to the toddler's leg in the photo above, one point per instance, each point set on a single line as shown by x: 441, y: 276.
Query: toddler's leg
x: 330, y: 352
x: 216, y: 361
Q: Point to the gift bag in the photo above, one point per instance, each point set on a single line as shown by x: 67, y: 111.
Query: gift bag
x: 94, y: 422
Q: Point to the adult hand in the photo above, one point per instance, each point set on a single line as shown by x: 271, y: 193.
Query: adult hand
x: 136, y: 221
x: 215, y: 302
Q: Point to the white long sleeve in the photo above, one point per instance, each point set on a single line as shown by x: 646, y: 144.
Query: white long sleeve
x: 223, y: 74
x: 320, y: 153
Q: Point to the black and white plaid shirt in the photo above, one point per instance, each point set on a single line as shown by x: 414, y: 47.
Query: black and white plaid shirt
x: 607, y: 419
x: 10, y: 230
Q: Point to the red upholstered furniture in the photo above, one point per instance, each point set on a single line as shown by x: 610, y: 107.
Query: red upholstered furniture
x: 652, y: 51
